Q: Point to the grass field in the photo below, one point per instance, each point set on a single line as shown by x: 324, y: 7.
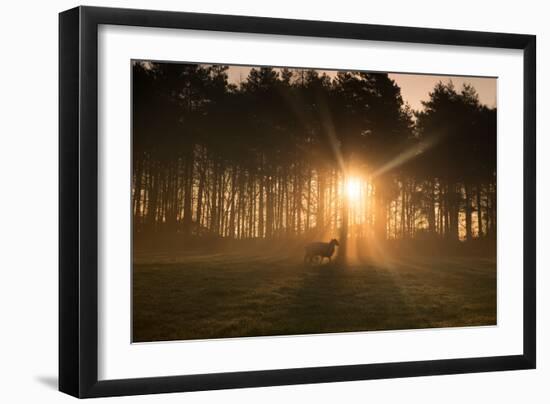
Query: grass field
x: 199, y: 296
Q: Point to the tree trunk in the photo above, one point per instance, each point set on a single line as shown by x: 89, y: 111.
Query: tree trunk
x: 403, y: 209
x: 479, y: 214
x: 343, y: 249
x: 188, y: 191
x: 214, y: 201
x: 452, y: 201
x: 380, y: 212
x: 261, y: 207
x: 431, y: 207
x: 298, y: 202
x: 200, y: 194
x: 153, y: 192
x: 231, y: 231
x: 468, y: 210
x: 269, y: 208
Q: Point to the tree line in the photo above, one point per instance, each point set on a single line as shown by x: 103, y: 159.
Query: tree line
x: 272, y: 157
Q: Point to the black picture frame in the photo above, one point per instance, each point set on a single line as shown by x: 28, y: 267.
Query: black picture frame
x: 78, y: 201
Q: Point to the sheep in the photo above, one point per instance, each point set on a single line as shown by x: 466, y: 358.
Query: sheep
x: 321, y: 250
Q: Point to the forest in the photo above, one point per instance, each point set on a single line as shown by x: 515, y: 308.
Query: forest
x: 298, y: 154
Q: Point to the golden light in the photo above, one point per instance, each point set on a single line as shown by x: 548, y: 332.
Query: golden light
x: 353, y: 189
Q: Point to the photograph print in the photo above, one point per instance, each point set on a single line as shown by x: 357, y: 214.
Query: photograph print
x: 271, y: 201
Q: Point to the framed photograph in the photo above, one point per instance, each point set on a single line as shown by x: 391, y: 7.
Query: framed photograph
x: 251, y: 201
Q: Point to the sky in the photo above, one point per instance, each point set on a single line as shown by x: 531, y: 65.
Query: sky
x: 414, y: 87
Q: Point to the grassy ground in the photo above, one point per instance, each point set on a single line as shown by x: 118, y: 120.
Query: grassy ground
x: 198, y: 296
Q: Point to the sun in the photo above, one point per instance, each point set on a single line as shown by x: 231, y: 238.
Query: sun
x: 353, y: 189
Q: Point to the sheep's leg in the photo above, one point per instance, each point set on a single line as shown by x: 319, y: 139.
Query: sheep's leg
x: 309, y: 258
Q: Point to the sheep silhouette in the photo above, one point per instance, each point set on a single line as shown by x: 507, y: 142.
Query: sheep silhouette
x: 321, y: 250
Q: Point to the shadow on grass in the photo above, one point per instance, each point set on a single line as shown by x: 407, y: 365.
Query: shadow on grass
x: 245, y: 295
x: 344, y: 298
